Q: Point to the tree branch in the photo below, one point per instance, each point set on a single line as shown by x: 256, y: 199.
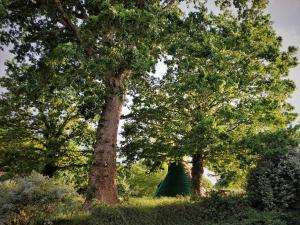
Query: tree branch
x: 68, y: 23
x: 67, y: 20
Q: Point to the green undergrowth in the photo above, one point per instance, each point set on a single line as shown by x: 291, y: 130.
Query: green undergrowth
x: 215, y: 210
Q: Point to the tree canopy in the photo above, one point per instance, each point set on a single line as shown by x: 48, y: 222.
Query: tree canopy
x: 226, y: 81
x: 43, y: 127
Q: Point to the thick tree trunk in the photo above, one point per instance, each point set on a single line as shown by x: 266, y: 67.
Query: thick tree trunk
x: 103, y: 171
x: 197, y: 173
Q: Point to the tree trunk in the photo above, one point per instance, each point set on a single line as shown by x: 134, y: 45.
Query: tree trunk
x: 49, y: 169
x: 197, y: 173
x: 102, y: 178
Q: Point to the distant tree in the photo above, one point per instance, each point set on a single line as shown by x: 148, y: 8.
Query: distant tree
x: 42, y: 124
x: 226, y: 81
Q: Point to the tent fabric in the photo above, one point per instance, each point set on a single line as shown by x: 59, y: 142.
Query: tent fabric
x: 176, y: 182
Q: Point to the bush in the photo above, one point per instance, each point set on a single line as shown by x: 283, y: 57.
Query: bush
x: 275, y: 182
x: 136, y: 181
x: 255, y: 217
x: 35, y: 200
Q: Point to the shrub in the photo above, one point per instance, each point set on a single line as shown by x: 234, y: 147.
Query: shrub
x: 35, y: 200
x: 275, y: 182
x: 137, y: 181
x: 255, y: 217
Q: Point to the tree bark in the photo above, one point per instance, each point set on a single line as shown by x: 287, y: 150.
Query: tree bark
x: 102, y: 178
x: 197, y: 173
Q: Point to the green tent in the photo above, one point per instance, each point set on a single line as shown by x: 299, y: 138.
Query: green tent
x: 177, y: 181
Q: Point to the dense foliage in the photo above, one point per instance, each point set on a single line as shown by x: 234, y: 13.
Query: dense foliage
x: 275, y: 182
x: 262, y: 144
x: 226, y: 81
x: 137, y: 181
x: 42, y: 126
x: 35, y: 200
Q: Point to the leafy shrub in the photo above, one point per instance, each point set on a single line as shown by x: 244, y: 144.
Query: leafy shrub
x: 35, y: 200
x: 232, y: 180
x: 255, y: 217
x: 275, y: 182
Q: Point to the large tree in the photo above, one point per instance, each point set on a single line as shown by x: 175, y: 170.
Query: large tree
x: 110, y: 42
x: 226, y: 80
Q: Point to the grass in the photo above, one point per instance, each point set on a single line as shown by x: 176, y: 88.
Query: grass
x: 154, y: 202
x: 216, y: 210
